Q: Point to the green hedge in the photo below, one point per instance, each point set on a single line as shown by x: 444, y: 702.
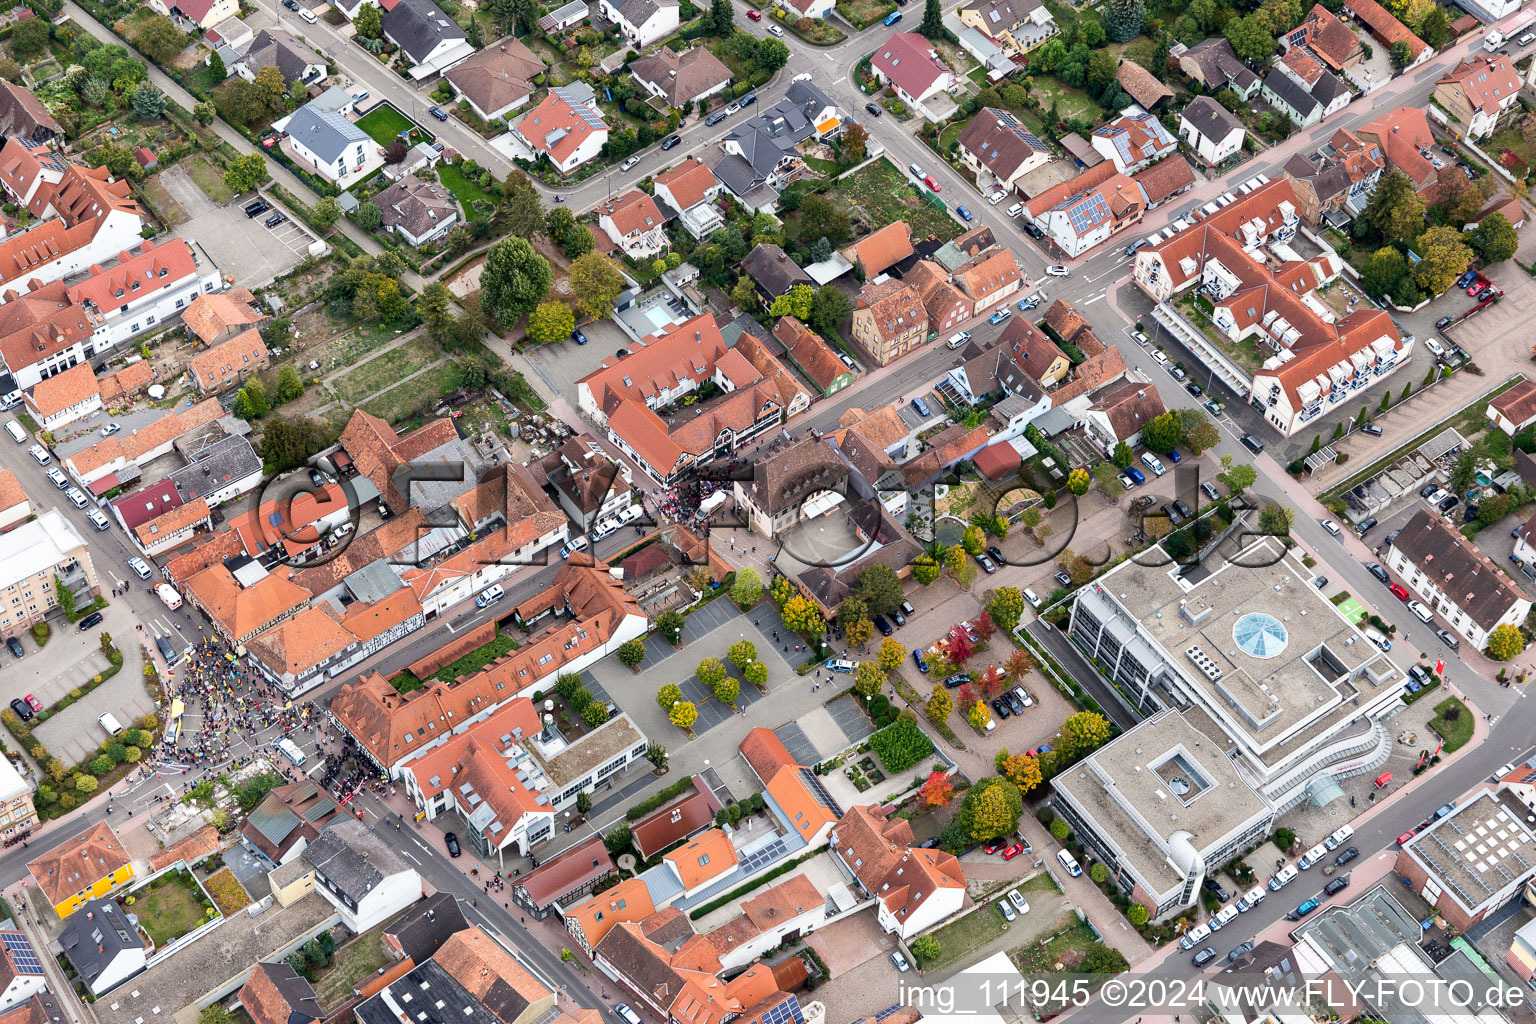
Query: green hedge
x: 740, y: 891
x: 650, y: 803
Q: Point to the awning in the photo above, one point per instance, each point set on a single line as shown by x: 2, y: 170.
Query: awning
x: 822, y: 503
x: 1324, y: 790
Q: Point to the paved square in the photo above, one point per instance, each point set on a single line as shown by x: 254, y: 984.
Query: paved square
x: 242, y: 247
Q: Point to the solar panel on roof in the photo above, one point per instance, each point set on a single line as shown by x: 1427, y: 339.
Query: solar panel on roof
x: 21, y: 952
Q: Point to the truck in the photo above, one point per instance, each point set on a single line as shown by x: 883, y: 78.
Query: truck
x: 1493, y: 40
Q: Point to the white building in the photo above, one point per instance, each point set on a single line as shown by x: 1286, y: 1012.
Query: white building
x: 20, y: 969
x: 690, y: 188
x: 1133, y: 142
x: 359, y: 875
x: 914, y: 888
x: 1455, y: 579
x: 635, y: 224
x: 1210, y: 131
x: 330, y: 145
x: 566, y: 128
x: 909, y: 64
x: 102, y: 945
x: 143, y: 290
x: 642, y: 22
x: 433, y: 41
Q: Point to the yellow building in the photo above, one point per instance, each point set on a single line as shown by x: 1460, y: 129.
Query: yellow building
x: 292, y: 881
x: 85, y: 868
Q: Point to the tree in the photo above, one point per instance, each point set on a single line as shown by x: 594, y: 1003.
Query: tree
x: 742, y: 653
x: 991, y: 808
x: 1101, y: 72
x: 939, y: 705
x: 829, y: 306
x: 520, y: 209
x: 683, y: 714
x: 1082, y: 734
x: 980, y: 716
x: 85, y: 783
x: 595, y: 283
x: 1007, y: 607
x: 1383, y: 271
x: 1201, y: 436
x: 1435, y: 29
x: 1060, y: 830
x: 632, y: 652
x: 1394, y: 209
x: 710, y: 672
x: 1444, y: 257
x: 1163, y: 433
x: 926, y: 948
x: 859, y: 632
x: 1138, y: 915
x: 579, y: 242
x: 214, y: 1013
x: 272, y: 85
x: 850, y: 611
x: 748, y: 586
x: 868, y: 679
x: 369, y: 22
x: 802, y: 617
x: 158, y: 38
x: 286, y: 443
x: 925, y: 570
x: 289, y: 386
x: 855, y: 145
x: 1494, y: 239
x: 727, y: 690
x: 772, y: 54
x: 1276, y: 520
x: 973, y: 540
x: 251, y: 401
x: 514, y: 280
x: 881, y: 589
x: 892, y: 653
x: 30, y: 37
x: 245, y: 172
x: 558, y: 223
x: 148, y: 101
x: 1078, y: 481
x: 367, y: 216
x: 550, y: 322
x: 668, y: 695
x: 1239, y: 478
x: 1400, y: 53
x: 1250, y: 40
x: 1023, y: 770
x: 1122, y: 456
x: 594, y: 714
x: 756, y: 674
x: 1505, y: 642
x: 722, y: 18
x: 796, y: 302
x: 1093, y: 34
x: 1123, y: 19
x: 933, y: 20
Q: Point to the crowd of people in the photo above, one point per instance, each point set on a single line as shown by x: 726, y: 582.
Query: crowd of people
x: 229, y: 703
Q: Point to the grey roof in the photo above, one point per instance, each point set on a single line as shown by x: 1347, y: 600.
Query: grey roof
x: 274, y: 821
x: 1329, y: 88
x: 95, y: 934
x: 773, y: 270
x: 736, y: 174
x: 1219, y: 64
x: 576, y: 10
x: 280, y: 50
x: 770, y: 136
x: 373, y: 582
x: 1210, y: 118
x: 434, y: 997
x: 745, y: 324
x: 417, y: 206
x: 422, y: 931
x: 335, y: 98
x: 352, y: 858
x: 348, y: 202
x: 418, y: 26
x: 1300, y: 102
x: 216, y: 466
x: 324, y: 133
x: 638, y: 12
x: 1329, y: 178
x: 1466, y: 575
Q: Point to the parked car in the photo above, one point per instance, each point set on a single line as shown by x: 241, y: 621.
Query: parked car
x: 1213, y: 407
x: 958, y: 679
x: 1057, y: 270
x: 451, y: 841
x: 1239, y: 951
x: 1194, y: 389
x: 91, y: 621
x: 1444, y: 322
x: 1204, y: 957
x: 1371, y: 429
x: 1182, y: 509
x: 627, y: 164
x: 883, y: 625
x: 962, y: 212
x: 1336, y: 886
x: 670, y: 141
x: 1006, y: 909
x: 933, y: 184
x: 257, y: 208
x: 755, y: 15
x: 994, y: 846
x: 1209, y: 490
x: 15, y: 646
x: 749, y: 99
x: 1252, y: 443
x: 1215, y: 888
x: 900, y: 961
x: 1302, y: 911
x: 22, y: 711
x: 1375, y: 569
x: 1063, y: 579
x: 873, y: 108
x: 1000, y: 316
x: 1019, y: 902
x: 892, y: 18
x: 1399, y: 591
x: 1001, y: 707
x: 438, y: 113
x: 1346, y: 856
x: 921, y: 662
x: 987, y: 565
x: 274, y: 220
x: 33, y: 702
x: 1012, y: 850
x: 715, y: 118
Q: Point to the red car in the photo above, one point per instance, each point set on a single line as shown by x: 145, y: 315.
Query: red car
x: 1405, y: 837
x: 932, y: 184
x: 1399, y: 591
x: 33, y: 702
x: 994, y: 846
x: 1478, y: 283
x: 1013, y: 850
x: 755, y: 15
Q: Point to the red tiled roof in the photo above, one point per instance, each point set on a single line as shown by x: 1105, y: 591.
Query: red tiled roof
x: 1385, y: 27
x: 1488, y: 82
x: 910, y: 62
x: 688, y: 182
x: 553, y: 116
x: 136, y: 277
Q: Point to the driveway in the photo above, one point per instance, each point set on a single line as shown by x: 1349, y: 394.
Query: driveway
x: 242, y: 247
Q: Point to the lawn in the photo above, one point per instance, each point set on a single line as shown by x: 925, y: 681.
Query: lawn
x: 1453, y: 721
x: 885, y: 195
x: 389, y: 369
x: 962, y: 935
x: 1069, y: 102
x: 210, y: 179
x: 171, y: 907
x: 476, y: 659
x: 465, y: 191
x: 1245, y: 354
x: 384, y: 124
x: 401, y: 400
x: 863, y: 13
x: 354, y: 962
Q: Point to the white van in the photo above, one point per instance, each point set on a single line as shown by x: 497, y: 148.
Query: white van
x: 307, y: 14
x: 1153, y: 463
x: 628, y: 514
x: 623, y: 1010
x: 1339, y: 838
x: 59, y: 479
x: 40, y: 454
x: 576, y: 543
x: 1069, y: 862
x: 1015, y: 209
x: 291, y: 751
x: 1423, y: 614
x: 1375, y: 636
x: 1195, y: 936
x: 489, y: 596
x: 110, y: 723
x: 1283, y: 877
x: 17, y: 433
x: 168, y: 595
x: 1223, y: 918
x: 1252, y: 898
x: 958, y: 340
x: 76, y: 497
x: 140, y: 567
x: 1312, y: 856
x: 916, y: 171
x: 1032, y: 597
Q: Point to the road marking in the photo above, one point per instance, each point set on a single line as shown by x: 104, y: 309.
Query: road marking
x: 1096, y: 298
x: 411, y: 855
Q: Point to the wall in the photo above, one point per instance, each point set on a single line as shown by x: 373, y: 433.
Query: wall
x: 454, y: 650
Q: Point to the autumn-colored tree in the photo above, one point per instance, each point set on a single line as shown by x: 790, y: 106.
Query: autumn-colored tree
x: 936, y: 790
x: 986, y: 629
x: 683, y: 714
x: 1023, y: 770
x: 710, y: 672
x: 1505, y: 642
x: 1081, y: 734
x: 270, y: 81
x: 668, y: 695
x: 1078, y: 481
x: 1018, y: 665
x: 939, y: 705
x: 859, y: 632
x: 550, y: 322
x: 958, y: 644
x: 954, y: 558
x: 973, y: 540
x: 980, y: 715
x: 780, y: 590
x: 803, y: 617
x: 727, y: 690
x: 742, y: 653
x: 991, y: 682
x: 868, y: 678
x: 756, y: 674
x: 1007, y: 607
x: 925, y: 570
x: 990, y: 814
x: 892, y: 652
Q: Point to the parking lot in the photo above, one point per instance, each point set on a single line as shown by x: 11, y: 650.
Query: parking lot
x: 243, y: 247
x: 565, y: 362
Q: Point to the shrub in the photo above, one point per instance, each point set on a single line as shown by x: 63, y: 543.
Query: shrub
x: 901, y: 745
x: 1060, y: 830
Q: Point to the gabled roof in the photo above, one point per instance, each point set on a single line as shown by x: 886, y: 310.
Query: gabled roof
x: 241, y: 611
x: 910, y: 62
x: 310, y: 638
x: 1142, y: 85
x: 811, y: 352
x: 1137, y: 138
x: 53, y: 395
x: 1000, y: 143
x: 416, y: 205
x: 286, y: 815
x: 418, y: 26
x: 1219, y: 65
x: 689, y: 182
x: 1165, y: 178
x: 1292, y: 95
x: 497, y: 75
x: 632, y: 213
x: 770, y: 266
x: 1129, y: 407
x: 276, y: 48
x: 1466, y: 576
x: 1488, y: 82
x: 95, y: 935
x: 688, y: 351
x: 78, y: 862
x: 209, y: 316
x: 421, y: 931
x: 276, y: 994
x: 1210, y: 119
x: 1386, y: 27
x: 1002, y: 15
x: 1328, y: 37
x: 226, y: 361
x: 878, y: 252
x: 705, y: 857
x: 324, y: 133
x: 490, y: 973
x: 24, y: 113
x: 1518, y: 404
x: 681, y: 76
x: 596, y: 916
x: 893, y: 307
x: 1403, y: 132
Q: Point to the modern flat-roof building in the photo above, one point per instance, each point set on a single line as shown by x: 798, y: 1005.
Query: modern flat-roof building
x: 1255, y: 658
x: 1162, y: 807
x: 1474, y: 860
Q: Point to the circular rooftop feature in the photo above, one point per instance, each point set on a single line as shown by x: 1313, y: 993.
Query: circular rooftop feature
x: 1260, y: 635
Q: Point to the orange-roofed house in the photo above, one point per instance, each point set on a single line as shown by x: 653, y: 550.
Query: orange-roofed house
x: 221, y: 315
x: 246, y: 601
x: 813, y: 355
x: 663, y: 369
x: 989, y: 280
x: 702, y: 861
x: 277, y: 994
x: 373, y: 447
x: 97, y: 466
x: 790, y: 909
x: 1515, y: 409
x: 799, y: 800
x: 635, y: 224
x: 1478, y: 92
x: 14, y: 506
x: 142, y: 289
x: 300, y: 653
x: 916, y: 888
x: 229, y: 363
x: 876, y: 253
x: 1388, y: 30
x: 1079, y: 214
x: 689, y: 188
x: 296, y: 526
x: 91, y: 864
x: 173, y: 527
x: 1326, y: 361
x: 592, y: 919
x: 889, y: 320
x: 88, y: 217
x: 494, y: 976
x: 566, y: 128
x: 507, y: 776
x: 1403, y: 135
x: 64, y: 398
x: 27, y: 166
